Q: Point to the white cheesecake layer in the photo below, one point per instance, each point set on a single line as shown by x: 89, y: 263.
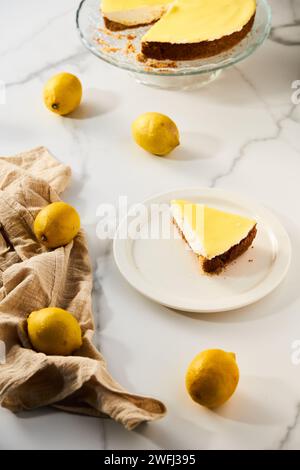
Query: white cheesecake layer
x: 190, y: 235
x: 137, y: 16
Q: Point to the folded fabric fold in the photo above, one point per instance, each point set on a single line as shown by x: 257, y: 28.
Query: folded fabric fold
x: 31, y: 277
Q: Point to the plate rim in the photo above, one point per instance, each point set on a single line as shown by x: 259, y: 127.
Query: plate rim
x: 263, y: 289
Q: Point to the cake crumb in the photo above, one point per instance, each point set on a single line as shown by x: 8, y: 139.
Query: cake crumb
x: 131, y: 36
x: 141, y: 58
x: 110, y: 49
x: 113, y: 34
x: 129, y: 48
x: 250, y: 260
x: 106, y: 47
x: 101, y: 42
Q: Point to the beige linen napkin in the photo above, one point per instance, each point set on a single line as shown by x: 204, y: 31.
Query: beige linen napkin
x: 31, y: 277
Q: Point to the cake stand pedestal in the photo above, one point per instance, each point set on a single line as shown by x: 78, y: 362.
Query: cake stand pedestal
x: 181, y: 82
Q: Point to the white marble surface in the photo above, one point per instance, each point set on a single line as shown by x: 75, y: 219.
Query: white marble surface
x: 241, y: 133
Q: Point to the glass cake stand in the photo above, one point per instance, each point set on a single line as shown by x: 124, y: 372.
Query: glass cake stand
x: 122, y: 50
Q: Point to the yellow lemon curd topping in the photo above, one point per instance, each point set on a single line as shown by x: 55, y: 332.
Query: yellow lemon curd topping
x: 189, y: 21
x: 209, y: 231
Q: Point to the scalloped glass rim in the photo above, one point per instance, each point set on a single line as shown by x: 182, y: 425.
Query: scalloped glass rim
x: 89, y: 13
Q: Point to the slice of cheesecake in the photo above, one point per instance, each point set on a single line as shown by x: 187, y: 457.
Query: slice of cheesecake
x: 216, y: 237
x: 192, y: 29
x: 124, y: 14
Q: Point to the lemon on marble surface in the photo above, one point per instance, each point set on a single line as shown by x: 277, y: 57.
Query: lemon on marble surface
x: 212, y: 377
x: 155, y: 133
x: 54, y: 331
x: 56, y: 224
x: 63, y: 93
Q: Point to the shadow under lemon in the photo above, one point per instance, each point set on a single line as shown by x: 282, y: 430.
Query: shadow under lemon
x: 95, y: 102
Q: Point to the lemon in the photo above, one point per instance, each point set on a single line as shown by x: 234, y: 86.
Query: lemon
x: 212, y: 377
x: 156, y: 133
x: 63, y: 93
x: 54, y: 331
x: 56, y: 224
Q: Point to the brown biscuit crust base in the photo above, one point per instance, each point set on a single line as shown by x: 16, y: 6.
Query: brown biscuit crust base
x: 217, y: 264
x: 165, y: 50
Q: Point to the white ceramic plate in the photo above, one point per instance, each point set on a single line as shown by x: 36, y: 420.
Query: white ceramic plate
x: 166, y: 271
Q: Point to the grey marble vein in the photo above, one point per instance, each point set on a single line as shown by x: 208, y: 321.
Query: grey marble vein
x: 287, y: 34
x: 256, y: 93
x: 243, y: 150
x: 289, y: 430
x: 80, y: 145
x: 276, y: 425
x: 97, y: 293
x: 293, y: 8
x: 36, y: 33
x: 36, y: 73
x: 102, y: 260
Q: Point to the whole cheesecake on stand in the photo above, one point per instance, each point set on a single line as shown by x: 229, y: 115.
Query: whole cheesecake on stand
x: 183, y: 29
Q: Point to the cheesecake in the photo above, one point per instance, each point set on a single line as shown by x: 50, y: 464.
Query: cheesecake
x: 193, y: 29
x: 216, y: 237
x: 183, y: 29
